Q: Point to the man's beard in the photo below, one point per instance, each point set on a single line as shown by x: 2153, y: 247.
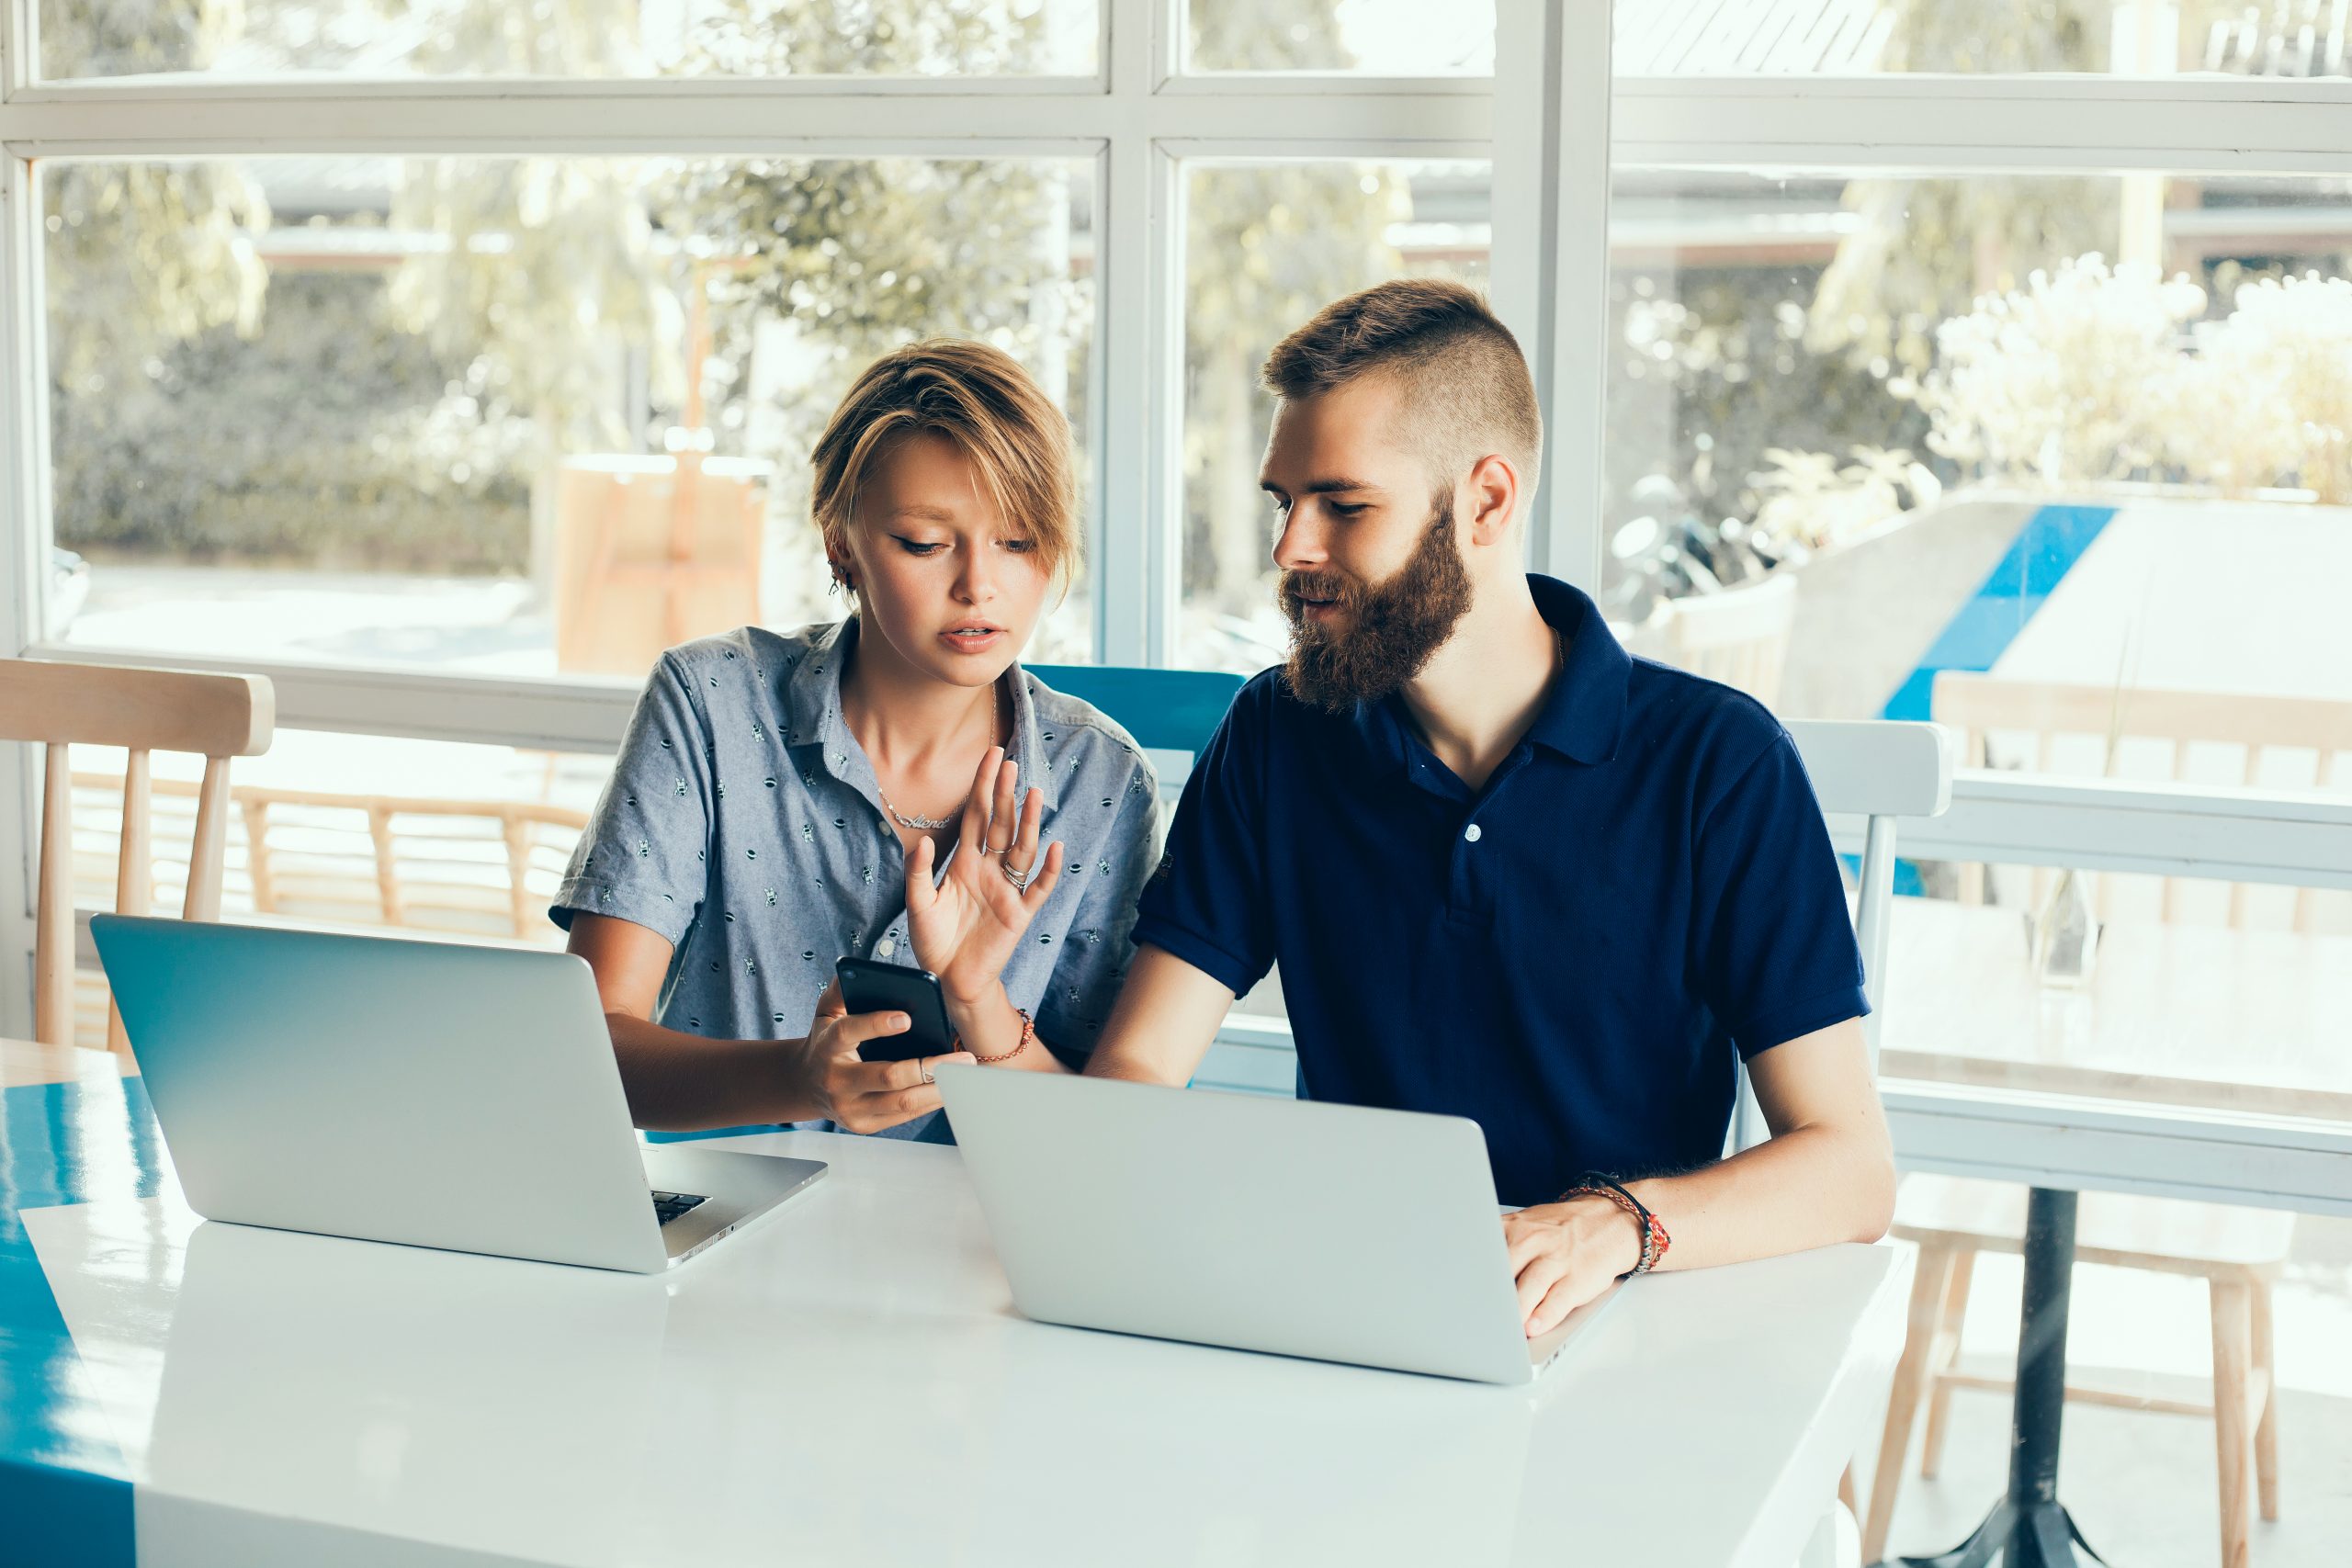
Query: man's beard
x: 1388, y: 630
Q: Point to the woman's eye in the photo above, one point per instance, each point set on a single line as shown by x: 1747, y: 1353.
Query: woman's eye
x: 916, y: 547
x: 1019, y: 547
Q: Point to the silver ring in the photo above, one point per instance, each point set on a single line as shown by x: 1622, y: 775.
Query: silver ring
x: 1019, y: 882
x: 924, y: 1071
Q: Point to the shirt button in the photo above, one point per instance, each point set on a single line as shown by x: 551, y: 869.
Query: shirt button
x: 1473, y: 833
x: 884, y: 948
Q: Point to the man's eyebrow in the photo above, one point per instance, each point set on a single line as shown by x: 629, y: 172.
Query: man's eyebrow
x: 1325, y: 487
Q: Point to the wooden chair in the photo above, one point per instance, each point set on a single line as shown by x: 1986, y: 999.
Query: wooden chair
x: 1981, y: 707
x: 2238, y: 1251
x: 143, y: 711
x: 1739, y: 636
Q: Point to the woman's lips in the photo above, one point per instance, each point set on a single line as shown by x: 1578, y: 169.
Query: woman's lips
x: 972, y: 641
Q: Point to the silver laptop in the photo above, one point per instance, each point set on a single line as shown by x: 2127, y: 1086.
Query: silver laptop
x: 428, y: 1093
x: 1330, y: 1232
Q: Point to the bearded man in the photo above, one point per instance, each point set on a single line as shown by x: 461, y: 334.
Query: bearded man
x: 1508, y: 872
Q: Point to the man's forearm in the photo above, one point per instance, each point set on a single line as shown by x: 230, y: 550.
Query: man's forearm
x: 1809, y: 1186
x: 677, y: 1082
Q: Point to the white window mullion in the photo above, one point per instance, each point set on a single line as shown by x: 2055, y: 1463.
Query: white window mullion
x: 24, y: 513
x: 1551, y: 256
x: 1133, y: 304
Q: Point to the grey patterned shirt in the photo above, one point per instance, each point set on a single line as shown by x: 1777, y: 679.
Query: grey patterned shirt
x: 742, y: 823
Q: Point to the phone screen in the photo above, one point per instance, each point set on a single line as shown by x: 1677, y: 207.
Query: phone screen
x: 868, y: 987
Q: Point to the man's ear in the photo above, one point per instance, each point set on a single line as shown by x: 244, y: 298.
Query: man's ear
x: 1492, y: 495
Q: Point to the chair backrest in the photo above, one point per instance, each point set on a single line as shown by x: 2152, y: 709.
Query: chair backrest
x: 1165, y: 710
x: 1880, y: 770
x: 143, y: 711
x: 1739, y: 636
x: 1982, y: 705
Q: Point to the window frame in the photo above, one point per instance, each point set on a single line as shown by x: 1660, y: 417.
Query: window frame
x: 1138, y: 115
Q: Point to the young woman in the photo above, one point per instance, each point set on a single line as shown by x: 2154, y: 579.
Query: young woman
x: 783, y: 799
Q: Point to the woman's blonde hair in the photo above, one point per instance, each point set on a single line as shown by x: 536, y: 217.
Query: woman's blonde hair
x: 995, y: 414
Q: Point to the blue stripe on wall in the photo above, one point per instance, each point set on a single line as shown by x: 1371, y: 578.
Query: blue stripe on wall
x: 2045, y: 549
x: 64, y: 1489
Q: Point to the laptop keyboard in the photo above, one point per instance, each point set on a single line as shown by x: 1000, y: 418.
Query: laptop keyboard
x: 668, y: 1206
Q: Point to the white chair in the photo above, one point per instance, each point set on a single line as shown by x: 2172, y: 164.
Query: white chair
x: 1877, y: 772
x: 1739, y: 636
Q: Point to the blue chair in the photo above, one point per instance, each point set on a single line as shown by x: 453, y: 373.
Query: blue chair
x: 1165, y: 710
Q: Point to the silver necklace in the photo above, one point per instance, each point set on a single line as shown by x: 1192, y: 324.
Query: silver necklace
x: 919, y: 822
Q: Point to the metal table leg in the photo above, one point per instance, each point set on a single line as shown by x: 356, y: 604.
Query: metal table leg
x: 2029, y: 1528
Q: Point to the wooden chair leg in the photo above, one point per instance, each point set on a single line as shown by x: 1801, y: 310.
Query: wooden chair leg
x: 1931, y: 1448
x: 1928, y: 1286
x: 2266, y: 1431
x: 2232, y: 1361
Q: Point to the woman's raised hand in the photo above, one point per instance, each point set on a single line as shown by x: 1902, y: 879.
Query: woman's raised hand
x: 965, y: 926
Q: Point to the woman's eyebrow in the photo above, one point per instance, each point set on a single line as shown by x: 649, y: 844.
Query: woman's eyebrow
x: 924, y: 511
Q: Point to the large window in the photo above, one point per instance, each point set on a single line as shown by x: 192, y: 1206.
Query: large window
x: 516, y: 416
x: 492, y: 37
x: 1979, y: 362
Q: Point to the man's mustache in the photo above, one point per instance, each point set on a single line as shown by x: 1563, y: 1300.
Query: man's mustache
x: 1297, y: 587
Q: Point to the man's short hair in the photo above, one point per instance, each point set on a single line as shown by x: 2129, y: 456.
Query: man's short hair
x: 1467, y: 390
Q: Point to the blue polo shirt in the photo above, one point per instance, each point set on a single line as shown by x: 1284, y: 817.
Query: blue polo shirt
x: 1569, y: 956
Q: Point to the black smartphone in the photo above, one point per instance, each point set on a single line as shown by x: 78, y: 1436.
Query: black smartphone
x: 870, y: 987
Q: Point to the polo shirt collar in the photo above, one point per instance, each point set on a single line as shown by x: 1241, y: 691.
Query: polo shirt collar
x: 812, y: 699
x: 1582, y: 714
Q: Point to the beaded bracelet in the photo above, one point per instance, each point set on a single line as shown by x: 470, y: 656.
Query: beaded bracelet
x: 1008, y: 1055
x: 1655, y: 1241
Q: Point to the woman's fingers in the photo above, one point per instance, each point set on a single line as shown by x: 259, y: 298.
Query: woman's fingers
x: 853, y: 1030
x: 975, y: 834
x: 1001, y: 826
x: 922, y: 892
x: 1024, y: 842
x: 1040, y: 883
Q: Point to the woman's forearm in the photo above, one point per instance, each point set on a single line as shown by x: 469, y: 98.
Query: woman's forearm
x: 683, y: 1083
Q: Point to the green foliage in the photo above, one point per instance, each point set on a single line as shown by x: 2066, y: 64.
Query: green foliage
x: 331, y: 439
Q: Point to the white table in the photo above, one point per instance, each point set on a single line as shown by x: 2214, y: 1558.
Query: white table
x: 845, y: 1382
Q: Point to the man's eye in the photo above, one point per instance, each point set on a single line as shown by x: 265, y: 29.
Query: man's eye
x: 1339, y: 510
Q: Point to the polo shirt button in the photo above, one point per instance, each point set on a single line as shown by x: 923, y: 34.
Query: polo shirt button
x: 1473, y: 833
x: 884, y: 948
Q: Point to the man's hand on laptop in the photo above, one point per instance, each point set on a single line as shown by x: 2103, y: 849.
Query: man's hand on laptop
x: 1566, y: 1253
x: 862, y: 1096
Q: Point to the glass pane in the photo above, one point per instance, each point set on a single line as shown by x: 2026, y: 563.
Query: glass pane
x: 2175, y: 991
x: 354, y: 831
x: 505, y: 416
x: 1268, y: 246
x: 569, y: 39
x: 2124, y: 38
x: 1378, y: 38
x: 2098, y: 514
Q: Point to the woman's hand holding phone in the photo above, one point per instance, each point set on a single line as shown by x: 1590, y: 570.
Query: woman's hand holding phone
x: 965, y: 926
x: 862, y: 1096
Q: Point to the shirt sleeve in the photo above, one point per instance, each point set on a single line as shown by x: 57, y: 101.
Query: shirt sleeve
x: 1100, y: 941
x: 1205, y: 902
x: 645, y: 854
x: 1777, y: 953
